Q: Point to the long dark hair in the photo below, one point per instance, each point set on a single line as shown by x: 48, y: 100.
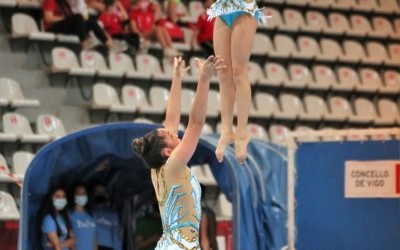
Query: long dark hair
x: 48, y: 208
x: 150, y: 147
x: 65, y: 8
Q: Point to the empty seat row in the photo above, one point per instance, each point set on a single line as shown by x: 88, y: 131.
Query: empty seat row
x: 16, y: 127
x: 20, y: 163
x: 379, y: 6
x: 92, y: 63
x: 21, y: 3
x: 336, y: 109
x: 322, y: 77
x: 65, y: 61
x: 335, y: 23
x: 134, y: 99
x: 327, y: 50
x: 288, y: 107
x: 12, y: 95
x: 254, y: 130
x: 279, y: 135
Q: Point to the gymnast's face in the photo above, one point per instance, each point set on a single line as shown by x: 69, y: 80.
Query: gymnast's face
x: 171, y: 140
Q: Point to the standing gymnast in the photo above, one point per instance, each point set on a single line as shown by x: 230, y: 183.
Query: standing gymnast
x: 177, y: 190
x: 234, y: 32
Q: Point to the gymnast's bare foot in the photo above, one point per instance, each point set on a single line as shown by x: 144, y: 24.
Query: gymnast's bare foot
x: 241, y: 148
x: 225, y: 140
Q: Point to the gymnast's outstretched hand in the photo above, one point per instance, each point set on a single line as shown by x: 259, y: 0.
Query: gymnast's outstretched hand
x: 209, y: 67
x: 180, y: 69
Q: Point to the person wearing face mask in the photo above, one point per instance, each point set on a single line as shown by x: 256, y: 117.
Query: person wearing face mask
x: 108, y: 231
x: 55, y: 227
x: 83, y: 224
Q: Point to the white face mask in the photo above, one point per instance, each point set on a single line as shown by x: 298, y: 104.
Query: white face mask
x: 81, y: 200
x: 59, y: 204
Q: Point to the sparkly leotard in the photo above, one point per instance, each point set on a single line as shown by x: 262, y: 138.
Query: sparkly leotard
x: 229, y: 10
x: 179, y: 202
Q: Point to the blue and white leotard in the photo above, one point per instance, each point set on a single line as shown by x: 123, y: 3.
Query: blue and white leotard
x: 179, y: 202
x: 229, y: 10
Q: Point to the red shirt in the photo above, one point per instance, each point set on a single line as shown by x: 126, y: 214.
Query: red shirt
x: 144, y: 18
x: 50, y: 5
x: 206, y: 28
x: 126, y: 4
x: 111, y: 23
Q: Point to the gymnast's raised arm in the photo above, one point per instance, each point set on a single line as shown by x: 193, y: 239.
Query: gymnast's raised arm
x: 173, y: 114
x: 184, y: 151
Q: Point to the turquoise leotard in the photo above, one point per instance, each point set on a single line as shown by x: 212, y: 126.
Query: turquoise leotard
x: 229, y: 10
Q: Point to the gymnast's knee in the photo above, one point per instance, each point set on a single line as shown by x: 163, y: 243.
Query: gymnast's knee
x: 225, y: 77
x: 239, y: 75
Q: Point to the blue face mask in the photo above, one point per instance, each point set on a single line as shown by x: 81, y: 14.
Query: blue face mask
x: 81, y: 200
x: 59, y: 204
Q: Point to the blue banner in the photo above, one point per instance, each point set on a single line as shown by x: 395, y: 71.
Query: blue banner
x: 325, y: 219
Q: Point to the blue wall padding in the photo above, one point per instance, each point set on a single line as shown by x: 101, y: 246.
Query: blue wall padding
x: 328, y: 221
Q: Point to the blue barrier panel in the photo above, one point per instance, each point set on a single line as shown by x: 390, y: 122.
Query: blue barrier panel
x: 326, y: 220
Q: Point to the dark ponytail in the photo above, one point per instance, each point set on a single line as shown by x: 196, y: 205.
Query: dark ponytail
x: 150, y: 148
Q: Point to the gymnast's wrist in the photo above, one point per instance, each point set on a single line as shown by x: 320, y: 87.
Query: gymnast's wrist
x: 204, y: 78
x: 177, y: 75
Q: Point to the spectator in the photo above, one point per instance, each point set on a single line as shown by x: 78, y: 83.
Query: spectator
x: 204, y: 30
x: 172, y: 10
x: 58, y: 17
x: 203, y: 33
x: 80, y: 7
x: 55, y: 227
x: 83, y: 224
x: 143, y: 22
x: 112, y: 20
x: 208, y: 226
x: 149, y: 229
x: 107, y: 222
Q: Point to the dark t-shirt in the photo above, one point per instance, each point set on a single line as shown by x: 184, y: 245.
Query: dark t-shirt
x: 147, y: 227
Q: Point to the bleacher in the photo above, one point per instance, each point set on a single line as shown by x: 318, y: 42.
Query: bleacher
x: 319, y: 65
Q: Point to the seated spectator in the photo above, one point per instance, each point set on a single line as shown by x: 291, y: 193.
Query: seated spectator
x: 58, y: 17
x: 55, y: 227
x: 83, y: 224
x: 112, y: 20
x: 143, y: 23
x: 108, y: 232
x: 208, y: 226
x: 203, y: 33
x: 149, y: 229
x: 172, y: 10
